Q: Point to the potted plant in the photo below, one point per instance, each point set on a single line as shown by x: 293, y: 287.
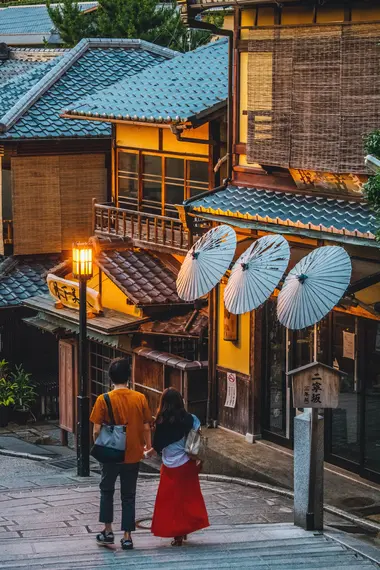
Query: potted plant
x: 7, y: 392
x: 24, y: 395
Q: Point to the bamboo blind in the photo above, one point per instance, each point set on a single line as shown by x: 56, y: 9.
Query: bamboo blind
x: 82, y: 178
x: 313, y: 93
x: 52, y: 198
x: 36, y: 205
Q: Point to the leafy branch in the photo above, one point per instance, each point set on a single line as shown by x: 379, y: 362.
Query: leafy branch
x: 372, y: 187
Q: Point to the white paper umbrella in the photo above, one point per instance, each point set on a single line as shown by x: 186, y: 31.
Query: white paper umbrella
x: 313, y: 287
x: 256, y: 274
x: 206, y: 263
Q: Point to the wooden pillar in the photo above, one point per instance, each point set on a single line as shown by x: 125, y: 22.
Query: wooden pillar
x: 212, y: 355
x: 256, y: 374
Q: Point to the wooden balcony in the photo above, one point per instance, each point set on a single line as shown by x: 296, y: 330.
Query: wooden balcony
x: 149, y: 231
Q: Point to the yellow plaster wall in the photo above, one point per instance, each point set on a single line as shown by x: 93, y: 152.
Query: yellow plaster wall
x: 233, y: 355
x: 147, y: 138
x: 243, y: 119
x: 137, y: 137
x: 265, y: 16
x: 248, y: 18
x: 362, y: 12
x: 228, y: 22
x: 112, y: 296
x: 297, y: 15
x: 327, y: 14
x: 171, y: 144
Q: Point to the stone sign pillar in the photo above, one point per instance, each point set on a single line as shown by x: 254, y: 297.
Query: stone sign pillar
x: 315, y: 387
x: 308, y: 514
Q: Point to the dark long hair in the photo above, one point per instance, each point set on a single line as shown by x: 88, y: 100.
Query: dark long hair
x: 171, y: 408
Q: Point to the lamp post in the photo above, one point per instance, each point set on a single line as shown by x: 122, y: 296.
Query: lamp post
x: 82, y: 270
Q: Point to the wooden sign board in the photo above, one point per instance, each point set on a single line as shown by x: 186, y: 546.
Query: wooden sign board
x: 230, y: 326
x: 66, y: 293
x: 316, y: 386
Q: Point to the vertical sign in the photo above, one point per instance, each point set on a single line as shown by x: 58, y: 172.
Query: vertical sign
x: 231, y: 390
x: 348, y: 345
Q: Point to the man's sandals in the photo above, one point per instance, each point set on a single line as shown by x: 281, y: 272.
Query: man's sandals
x: 126, y: 543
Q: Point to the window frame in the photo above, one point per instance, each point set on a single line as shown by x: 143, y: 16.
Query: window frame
x: 187, y: 182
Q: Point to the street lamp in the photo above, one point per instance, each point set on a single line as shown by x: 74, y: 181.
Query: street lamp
x: 82, y: 270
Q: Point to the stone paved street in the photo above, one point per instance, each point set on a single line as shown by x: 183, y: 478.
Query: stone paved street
x: 48, y: 518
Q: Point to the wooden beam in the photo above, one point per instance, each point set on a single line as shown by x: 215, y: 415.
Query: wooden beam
x: 363, y: 283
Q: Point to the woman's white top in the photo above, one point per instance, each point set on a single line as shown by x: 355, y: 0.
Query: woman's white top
x: 174, y: 455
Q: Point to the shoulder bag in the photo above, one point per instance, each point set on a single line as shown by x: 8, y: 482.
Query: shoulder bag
x: 111, y: 443
x: 195, y: 444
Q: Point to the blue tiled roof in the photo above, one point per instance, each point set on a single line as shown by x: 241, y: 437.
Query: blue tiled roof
x: 24, y: 277
x: 315, y: 213
x: 22, y: 61
x: 21, y: 81
x: 178, y: 90
x: 90, y: 66
x: 16, y: 20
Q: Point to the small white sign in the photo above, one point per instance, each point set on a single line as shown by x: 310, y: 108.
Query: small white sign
x: 231, y: 390
x: 348, y: 345
x: 377, y: 343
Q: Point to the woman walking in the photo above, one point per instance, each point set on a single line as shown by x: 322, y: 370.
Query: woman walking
x: 179, y: 508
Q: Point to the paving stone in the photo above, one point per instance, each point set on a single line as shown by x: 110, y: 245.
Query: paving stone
x: 9, y: 534
x: 24, y: 526
x: 54, y: 532
x: 38, y: 517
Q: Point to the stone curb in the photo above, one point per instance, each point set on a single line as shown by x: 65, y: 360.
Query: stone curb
x: 359, y: 521
x: 22, y: 455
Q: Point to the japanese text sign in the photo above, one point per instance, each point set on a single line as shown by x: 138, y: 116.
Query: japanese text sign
x: 231, y: 391
x: 315, y: 386
x: 67, y: 293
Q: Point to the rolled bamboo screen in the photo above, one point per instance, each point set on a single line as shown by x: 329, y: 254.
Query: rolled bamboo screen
x: 36, y: 205
x: 313, y: 93
x: 52, y: 200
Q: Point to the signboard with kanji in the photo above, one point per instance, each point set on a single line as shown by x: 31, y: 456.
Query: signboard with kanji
x: 66, y: 293
x: 231, y: 391
x: 316, y: 386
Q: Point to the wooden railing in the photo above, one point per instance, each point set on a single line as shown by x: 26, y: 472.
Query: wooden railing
x: 157, y: 232
x: 7, y: 231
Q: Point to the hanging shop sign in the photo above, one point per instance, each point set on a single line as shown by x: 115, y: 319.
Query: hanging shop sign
x: 231, y: 390
x: 349, y: 345
x: 66, y: 293
x: 316, y: 386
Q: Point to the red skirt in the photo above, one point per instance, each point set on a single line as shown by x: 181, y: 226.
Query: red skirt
x: 180, y: 508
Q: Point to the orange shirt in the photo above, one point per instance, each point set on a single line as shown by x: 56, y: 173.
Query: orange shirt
x: 130, y: 408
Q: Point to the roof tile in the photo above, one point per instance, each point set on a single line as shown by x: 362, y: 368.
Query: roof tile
x: 95, y: 69
x: 24, y: 277
x: 182, y: 88
x: 142, y: 276
x: 314, y: 212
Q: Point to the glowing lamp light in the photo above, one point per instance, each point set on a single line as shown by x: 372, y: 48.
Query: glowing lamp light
x: 82, y: 261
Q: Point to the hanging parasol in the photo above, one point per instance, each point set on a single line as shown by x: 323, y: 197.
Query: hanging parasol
x: 313, y: 287
x: 256, y: 274
x: 206, y: 263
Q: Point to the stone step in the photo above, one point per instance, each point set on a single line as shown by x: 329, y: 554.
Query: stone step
x: 311, y: 553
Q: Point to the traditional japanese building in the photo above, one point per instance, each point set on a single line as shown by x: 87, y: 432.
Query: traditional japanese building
x: 31, y: 25
x: 51, y: 170
x: 306, y: 89
x: 160, y: 157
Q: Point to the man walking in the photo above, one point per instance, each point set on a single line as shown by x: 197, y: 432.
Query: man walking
x: 129, y: 408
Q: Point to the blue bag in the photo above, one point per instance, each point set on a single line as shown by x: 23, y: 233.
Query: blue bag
x: 111, y: 443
